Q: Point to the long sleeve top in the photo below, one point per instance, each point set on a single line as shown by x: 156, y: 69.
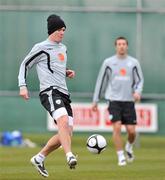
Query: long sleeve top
x: 118, y: 79
x: 50, y: 59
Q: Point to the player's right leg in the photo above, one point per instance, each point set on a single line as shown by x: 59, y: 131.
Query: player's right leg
x: 39, y: 166
x: 38, y: 160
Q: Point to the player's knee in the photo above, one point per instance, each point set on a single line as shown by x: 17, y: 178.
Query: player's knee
x: 132, y: 133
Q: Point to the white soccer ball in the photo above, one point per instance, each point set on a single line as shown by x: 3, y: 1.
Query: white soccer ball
x: 96, y: 143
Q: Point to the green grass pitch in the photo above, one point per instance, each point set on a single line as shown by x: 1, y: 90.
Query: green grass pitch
x: 148, y: 165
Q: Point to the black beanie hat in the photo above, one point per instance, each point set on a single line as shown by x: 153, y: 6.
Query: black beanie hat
x: 54, y: 23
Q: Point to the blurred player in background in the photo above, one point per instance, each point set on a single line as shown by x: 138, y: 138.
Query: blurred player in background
x: 50, y: 58
x: 121, y: 80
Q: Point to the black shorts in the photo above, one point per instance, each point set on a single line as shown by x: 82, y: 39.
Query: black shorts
x: 122, y: 111
x: 52, y: 99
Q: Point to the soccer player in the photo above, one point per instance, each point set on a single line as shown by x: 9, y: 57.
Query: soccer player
x: 50, y: 58
x: 121, y: 80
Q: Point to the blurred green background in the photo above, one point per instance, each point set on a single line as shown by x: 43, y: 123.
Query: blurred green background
x: 92, y: 27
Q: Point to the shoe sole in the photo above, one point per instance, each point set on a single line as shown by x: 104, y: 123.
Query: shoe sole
x: 40, y: 172
x: 130, y: 160
x: 123, y: 164
x: 73, y: 164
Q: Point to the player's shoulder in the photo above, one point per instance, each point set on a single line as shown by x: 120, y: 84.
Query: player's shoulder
x: 46, y: 45
x: 110, y: 59
x: 39, y: 46
x: 63, y: 46
x: 132, y: 59
x: 42, y: 44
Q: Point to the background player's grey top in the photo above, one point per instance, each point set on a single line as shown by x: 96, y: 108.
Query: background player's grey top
x: 118, y: 79
x: 50, y: 59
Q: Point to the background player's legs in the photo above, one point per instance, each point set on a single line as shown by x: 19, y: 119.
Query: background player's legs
x: 129, y: 144
x: 131, y: 133
x: 117, y: 135
x: 118, y: 142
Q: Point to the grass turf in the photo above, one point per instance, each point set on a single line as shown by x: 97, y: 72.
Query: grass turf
x: 148, y: 165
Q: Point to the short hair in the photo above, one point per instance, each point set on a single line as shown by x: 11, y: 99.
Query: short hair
x: 121, y: 37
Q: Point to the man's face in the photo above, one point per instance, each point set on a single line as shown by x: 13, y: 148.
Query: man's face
x: 59, y: 34
x: 121, y: 47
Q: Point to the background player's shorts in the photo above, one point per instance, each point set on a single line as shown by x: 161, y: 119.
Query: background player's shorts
x: 122, y: 111
x: 57, y: 104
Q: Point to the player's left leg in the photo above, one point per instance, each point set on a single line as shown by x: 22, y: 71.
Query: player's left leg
x: 71, y: 160
x: 129, y: 120
x: 118, y: 143
x: 115, y: 111
x: 129, y: 144
x: 64, y: 133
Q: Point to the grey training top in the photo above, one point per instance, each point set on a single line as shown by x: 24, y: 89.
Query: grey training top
x: 50, y: 59
x: 118, y: 79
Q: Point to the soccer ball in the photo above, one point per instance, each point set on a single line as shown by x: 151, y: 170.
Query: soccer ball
x: 96, y: 143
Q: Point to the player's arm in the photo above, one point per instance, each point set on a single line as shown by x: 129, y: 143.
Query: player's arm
x: 139, y: 81
x: 24, y: 92
x: 26, y: 64
x: 94, y: 106
x: 98, y: 86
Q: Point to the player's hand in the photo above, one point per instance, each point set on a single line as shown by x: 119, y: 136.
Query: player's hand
x: 94, y: 107
x: 70, y: 73
x: 24, y: 93
x: 137, y: 97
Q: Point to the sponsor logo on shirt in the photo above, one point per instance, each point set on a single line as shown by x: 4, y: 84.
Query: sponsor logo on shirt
x: 122, y: 75
x: 123, y: 78
x: 123, y: 72
x: 61, y: 56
